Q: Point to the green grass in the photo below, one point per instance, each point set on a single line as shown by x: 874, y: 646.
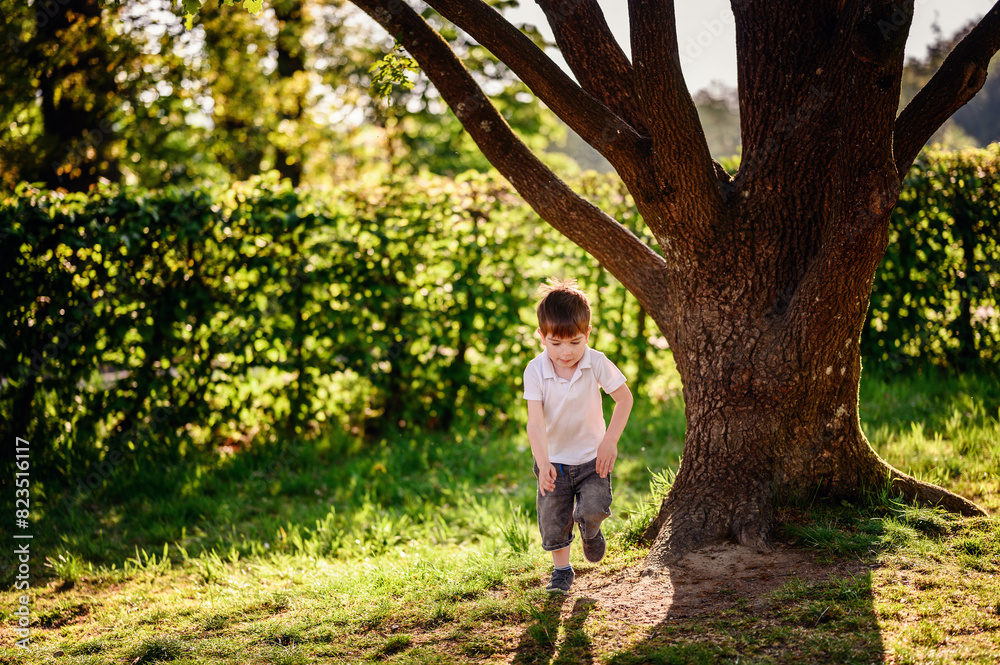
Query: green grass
x: 422, y: 549
x: 938, y: 427
x: 338, y: 498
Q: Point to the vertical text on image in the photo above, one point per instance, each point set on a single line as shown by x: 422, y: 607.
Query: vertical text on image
x: 22, y: 544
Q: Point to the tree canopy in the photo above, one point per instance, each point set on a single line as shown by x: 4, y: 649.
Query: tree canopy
x: 126, y: 92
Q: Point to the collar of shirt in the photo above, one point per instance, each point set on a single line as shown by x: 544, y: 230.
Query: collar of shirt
x: 549, y: 370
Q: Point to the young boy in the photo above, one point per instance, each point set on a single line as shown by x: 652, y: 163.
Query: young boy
x: 574, y: 452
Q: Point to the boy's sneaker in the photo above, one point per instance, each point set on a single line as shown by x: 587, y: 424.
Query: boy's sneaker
x: 562, y: 581
x: 594, y: 548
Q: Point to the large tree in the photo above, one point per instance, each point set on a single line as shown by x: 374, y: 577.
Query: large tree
x: 762, y: 280
x: 57, y: 104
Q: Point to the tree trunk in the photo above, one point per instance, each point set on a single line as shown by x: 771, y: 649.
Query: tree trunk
x: 75, y: 146
x: 771, y: 375
x: 288, y: 44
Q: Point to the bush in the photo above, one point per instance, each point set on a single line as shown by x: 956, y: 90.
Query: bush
x: 147, y: 325
x: 935, y: 296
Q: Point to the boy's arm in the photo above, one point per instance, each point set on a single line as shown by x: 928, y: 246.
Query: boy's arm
x: 607, y: 452
x: 539, y: 447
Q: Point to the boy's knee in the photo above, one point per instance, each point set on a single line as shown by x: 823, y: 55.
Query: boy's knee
x: 590, y: 522
x: 594, y: 513
x: 595, y: 505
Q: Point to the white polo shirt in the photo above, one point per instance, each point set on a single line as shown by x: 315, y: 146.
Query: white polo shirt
x: 574, y: 420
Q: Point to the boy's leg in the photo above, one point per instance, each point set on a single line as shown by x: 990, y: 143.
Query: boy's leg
x: 593, y: 506
x: 562, y: 572
x: 555, y: 522
x: 555, y: 513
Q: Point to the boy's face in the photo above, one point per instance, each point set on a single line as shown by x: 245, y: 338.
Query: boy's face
x: 565, y: 353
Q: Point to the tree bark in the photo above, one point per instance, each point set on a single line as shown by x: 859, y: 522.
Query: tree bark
x: 617, y: 248
x: 588, y: 117
x: 771, y: 401
x: 597, y: 61
x: 960, y: 77
x: 767, y: 328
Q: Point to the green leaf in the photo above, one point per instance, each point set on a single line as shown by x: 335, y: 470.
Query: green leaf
x: 392, y: 70
x: 191, y: 8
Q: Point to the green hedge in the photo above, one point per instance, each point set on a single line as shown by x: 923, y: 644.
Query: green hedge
x: 145, y: 326
x: 142, y: 326
x: 935, y: 297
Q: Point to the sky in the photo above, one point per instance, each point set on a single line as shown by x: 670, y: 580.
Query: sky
x: 707, y: 38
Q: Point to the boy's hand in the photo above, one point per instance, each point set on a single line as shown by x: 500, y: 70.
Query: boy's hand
x: 546, y: 478
x: 607, y: 453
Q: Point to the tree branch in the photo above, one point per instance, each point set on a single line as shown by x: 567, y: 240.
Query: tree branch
x: 597, y: 61
x: 685, y: 174
x: 634, y: 264
x: 592, y: 120
x: 958, y: 80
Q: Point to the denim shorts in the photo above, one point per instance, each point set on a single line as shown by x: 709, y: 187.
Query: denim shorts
x: 581, y: 497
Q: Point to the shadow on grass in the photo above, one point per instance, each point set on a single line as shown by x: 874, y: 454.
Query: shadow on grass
x: 540, y: 641
x: 765, y: 615
x: 245, y: 503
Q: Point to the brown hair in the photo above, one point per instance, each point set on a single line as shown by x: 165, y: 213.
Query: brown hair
x: 563, y: 310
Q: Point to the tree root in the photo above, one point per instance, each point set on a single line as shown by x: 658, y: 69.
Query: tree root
x: 691, y: 519
x: 670, y: 546
x: 656, y: 526
x: 679, y: 529
x: 926, y: 494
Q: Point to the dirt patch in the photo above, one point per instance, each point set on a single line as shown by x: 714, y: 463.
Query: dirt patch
x: 705, y: 581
